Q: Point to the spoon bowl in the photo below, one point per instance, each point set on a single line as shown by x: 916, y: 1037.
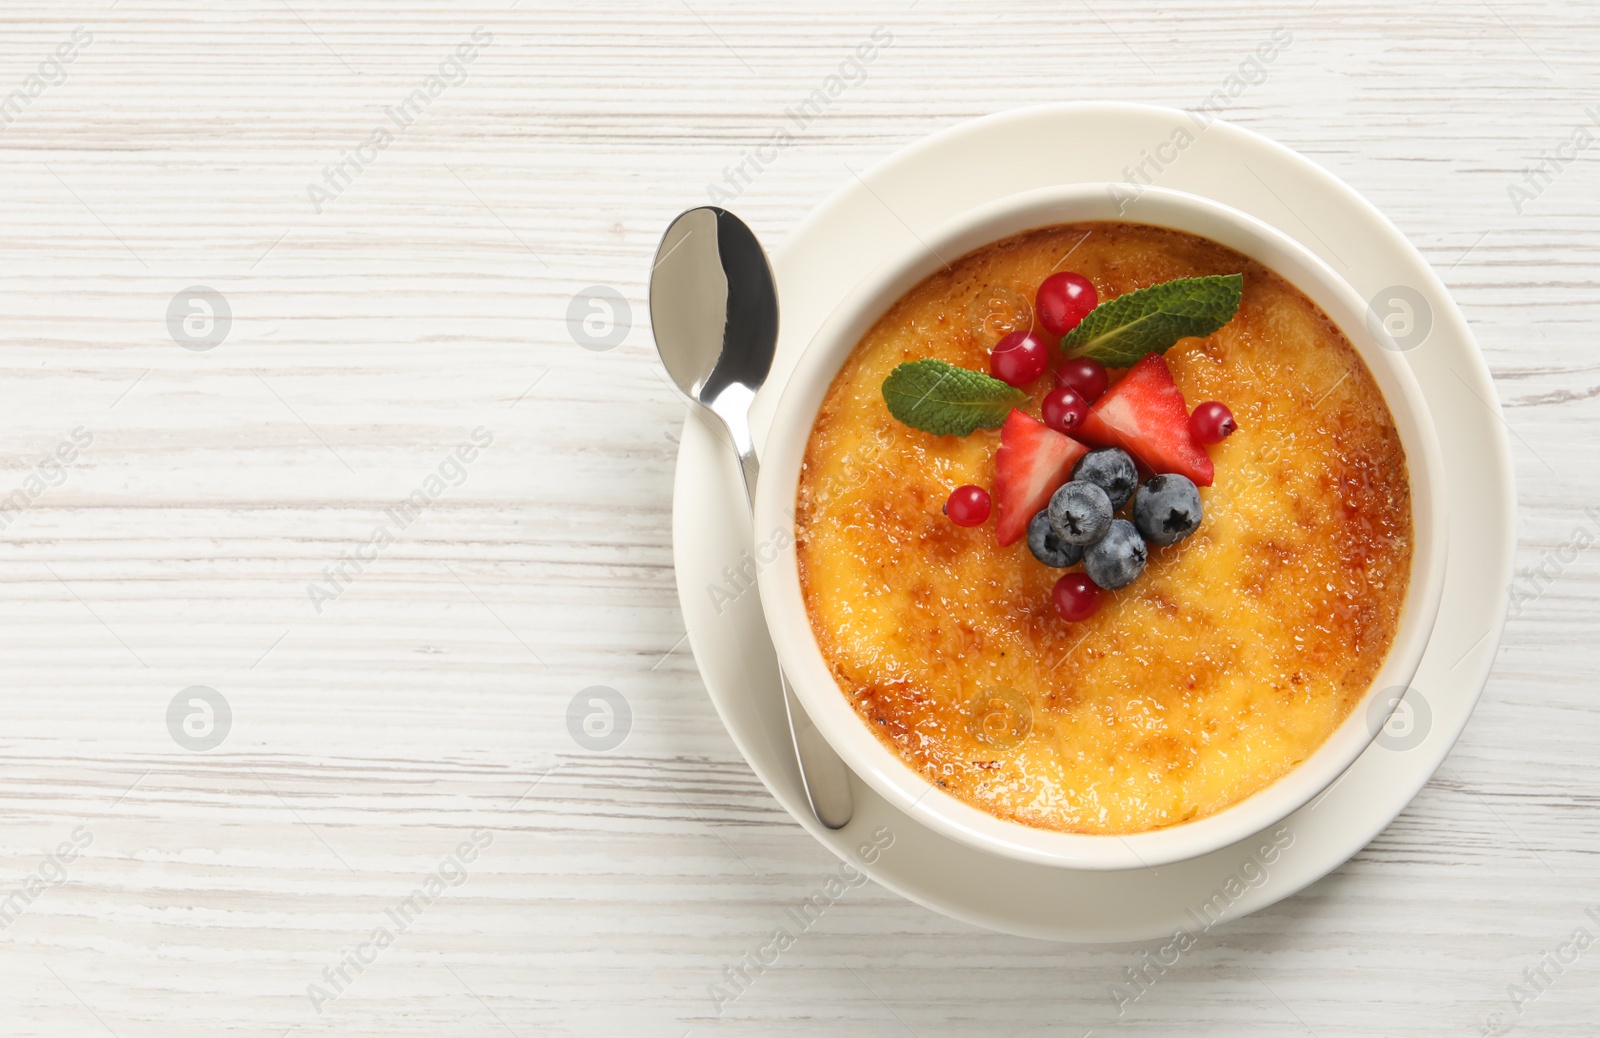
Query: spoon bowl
x: 714, y: 308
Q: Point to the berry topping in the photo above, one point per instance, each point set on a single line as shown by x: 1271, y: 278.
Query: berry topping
x: 1167, y: 509
x: 1019, y: 358
x: 1047, y: 547
x: 968, y: 505
x: 1144, y: 414
x: 1117, y: 559
x: 1111, y: 470
x: 1212, y: 423
x: 1032, y: 462
x: 1084, y: 374
x: 1080, y: 513
x: 1077, y: 597
x: 1064, y: 299
x: 1064, y: 410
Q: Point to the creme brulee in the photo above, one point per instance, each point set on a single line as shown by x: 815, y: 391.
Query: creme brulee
x: 1230, y: 660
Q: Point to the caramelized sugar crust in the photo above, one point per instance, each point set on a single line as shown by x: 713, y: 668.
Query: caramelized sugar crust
x: 1225, y: 665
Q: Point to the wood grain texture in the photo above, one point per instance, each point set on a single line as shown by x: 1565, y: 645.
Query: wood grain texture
x: 429, y: 298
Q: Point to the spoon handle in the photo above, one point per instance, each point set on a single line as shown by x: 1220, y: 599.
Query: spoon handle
x: 826, y: 779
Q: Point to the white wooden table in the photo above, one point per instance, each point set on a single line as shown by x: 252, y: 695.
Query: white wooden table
x: 375, y: 716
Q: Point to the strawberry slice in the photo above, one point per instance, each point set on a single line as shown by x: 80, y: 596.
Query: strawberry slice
x: 1032, y: 462
x: 1145, y: 415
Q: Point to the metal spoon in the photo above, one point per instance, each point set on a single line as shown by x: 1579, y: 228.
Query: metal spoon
x: 714, y: 307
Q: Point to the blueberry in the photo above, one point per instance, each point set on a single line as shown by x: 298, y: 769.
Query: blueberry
x: 1047, y: 547
x: 1167, y: 509
x: 1110, y: 469
x: 1117, y: 559
x: 1080, y: 513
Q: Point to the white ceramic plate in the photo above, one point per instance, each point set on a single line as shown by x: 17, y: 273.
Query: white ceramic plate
x: 922, y: 187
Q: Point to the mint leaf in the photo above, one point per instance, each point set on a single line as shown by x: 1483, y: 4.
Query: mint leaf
x: 1151, y: 320
x: 946, y: 400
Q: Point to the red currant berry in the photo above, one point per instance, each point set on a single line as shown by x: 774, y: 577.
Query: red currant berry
x: 1019, y: 358
x: 1064, y: 410
x: 1077, y: 597
x: 968, y: 505
x: 1085, y: 375
x: 1211, y: 423
x: 1064, y: 299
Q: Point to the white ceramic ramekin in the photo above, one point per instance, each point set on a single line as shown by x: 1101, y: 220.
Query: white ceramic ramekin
x: 785, y: 609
